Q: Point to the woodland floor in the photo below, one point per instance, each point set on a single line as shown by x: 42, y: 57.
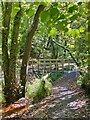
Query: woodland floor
x: 68, y: 102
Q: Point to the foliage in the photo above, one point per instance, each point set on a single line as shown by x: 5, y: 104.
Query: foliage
x: 84, y: 82
x: 39, y: 89
x: 55, y: 76
x: 83, y: 79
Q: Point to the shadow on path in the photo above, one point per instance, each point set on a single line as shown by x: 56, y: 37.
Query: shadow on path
x: 67, y: 102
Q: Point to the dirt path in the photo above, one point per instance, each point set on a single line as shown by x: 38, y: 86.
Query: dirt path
x: 71, y: 101
x: 67, y: 101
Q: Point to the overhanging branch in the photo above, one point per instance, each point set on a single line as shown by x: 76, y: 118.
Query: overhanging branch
x: 68, y: 52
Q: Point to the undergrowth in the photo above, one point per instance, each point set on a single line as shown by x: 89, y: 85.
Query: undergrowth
x: 84, y: 82
x: 39, y: 89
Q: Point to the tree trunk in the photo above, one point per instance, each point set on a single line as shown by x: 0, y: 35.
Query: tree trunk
x: 28, y: 48
x: 9, y: 62
x: 13, y: 55
x: 5, y: 58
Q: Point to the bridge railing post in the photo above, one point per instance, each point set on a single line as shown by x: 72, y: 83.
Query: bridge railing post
x: 56, y: 65
x: 62, y: 62
x: 50, y: 65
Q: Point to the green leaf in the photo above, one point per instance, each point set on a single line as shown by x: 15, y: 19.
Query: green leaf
x: 60, y: 26
x: 30, y: 12
x: 65, y: 29
x: 62, y: 16
x: 55, y: 4
x: 82, y: 29
x: 15, y: 9
x: 53, y: 31
x: 74, y: 17
x: 72, y: 8
x: 73, y: 32
x: 45, y: 16
x: 54, y: 12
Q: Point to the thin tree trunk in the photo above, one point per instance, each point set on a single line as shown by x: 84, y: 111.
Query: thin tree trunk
x: 5, y: 32
x: 28, y: 48
x: 13, y: 55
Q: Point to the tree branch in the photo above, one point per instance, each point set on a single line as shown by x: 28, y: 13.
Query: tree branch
x: 68, y: 52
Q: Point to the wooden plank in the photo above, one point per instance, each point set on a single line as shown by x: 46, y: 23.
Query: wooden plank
x: 49, y: 64
x: 68, y: 63
x: 41, y: 60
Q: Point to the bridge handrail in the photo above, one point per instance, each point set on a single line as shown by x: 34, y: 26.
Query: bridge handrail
x: 50, y: 63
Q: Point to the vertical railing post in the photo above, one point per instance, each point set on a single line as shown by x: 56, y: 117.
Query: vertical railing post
x: 69, y: 64
x: 44, y: 65
x: 62, y: 62
x: 56, y: 65
x: 50, y: 65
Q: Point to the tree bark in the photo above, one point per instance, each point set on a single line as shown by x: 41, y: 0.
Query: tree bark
x: 13, y: 55
x: 28, y: 48
x: 9, y: 61
x: 5, y: 57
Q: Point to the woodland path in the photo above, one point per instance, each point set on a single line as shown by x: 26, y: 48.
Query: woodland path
x: 68, y: 102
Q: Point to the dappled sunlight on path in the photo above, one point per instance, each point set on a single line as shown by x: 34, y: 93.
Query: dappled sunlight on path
x: 67, y: 101
x: 71, y: 101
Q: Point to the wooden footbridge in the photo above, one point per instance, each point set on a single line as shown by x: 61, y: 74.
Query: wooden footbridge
x: 43, y: 66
